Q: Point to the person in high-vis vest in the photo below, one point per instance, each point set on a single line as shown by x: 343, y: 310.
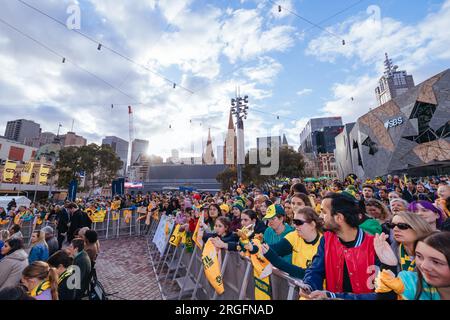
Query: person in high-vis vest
x: 41, y: 281
x: 346, y: 256
x: 301, y: 243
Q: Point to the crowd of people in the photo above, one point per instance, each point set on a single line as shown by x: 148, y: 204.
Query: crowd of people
x: 381, y: 239
x: 59, y: 263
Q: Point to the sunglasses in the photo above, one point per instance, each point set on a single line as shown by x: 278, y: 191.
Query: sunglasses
x: 401, y: 226
x: 298, y: 222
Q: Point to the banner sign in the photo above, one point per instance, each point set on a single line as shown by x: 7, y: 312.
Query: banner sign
x: 163, y: 233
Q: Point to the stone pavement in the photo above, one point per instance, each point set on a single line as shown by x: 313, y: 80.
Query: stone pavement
x: 123, y: 266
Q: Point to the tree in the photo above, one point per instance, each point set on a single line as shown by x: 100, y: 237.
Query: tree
x: 100, y: 165
x: 227, y: 177
x: 291, y: 164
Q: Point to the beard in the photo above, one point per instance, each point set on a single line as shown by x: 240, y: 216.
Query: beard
x: 331, y: 226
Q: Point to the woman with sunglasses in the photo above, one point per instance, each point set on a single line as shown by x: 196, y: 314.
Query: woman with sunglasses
x: 430, y: 280
x: 301, y: 243
x: 407, y: 228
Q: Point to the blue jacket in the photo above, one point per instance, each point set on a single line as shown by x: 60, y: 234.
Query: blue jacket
x: 38, y: 253
x: 315, y: 275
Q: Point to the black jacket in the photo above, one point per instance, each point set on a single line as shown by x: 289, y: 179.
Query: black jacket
x: 64, y: 292
x: 63, y: 220
x: 79, y: 220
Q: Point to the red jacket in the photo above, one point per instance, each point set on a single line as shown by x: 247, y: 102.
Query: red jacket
x: 357, y: 259
x: 192, y: 224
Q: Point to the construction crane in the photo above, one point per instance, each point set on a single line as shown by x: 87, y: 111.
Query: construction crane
x: 131, y: 128
x: 131, y: 125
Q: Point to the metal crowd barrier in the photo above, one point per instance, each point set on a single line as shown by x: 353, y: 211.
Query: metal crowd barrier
x: 116, y: 227
x: 185, y: 269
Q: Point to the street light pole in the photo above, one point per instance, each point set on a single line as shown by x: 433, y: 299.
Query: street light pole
x: 239, y: 107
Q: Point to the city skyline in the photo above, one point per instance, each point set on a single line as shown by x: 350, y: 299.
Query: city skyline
x: 290, y: 74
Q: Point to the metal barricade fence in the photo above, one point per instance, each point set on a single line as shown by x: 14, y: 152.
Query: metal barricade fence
x: 116, y: 225
x: 238, y: 279
x: 185, y: 269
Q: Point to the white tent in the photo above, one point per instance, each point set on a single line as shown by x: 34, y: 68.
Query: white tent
x: 20, y: 200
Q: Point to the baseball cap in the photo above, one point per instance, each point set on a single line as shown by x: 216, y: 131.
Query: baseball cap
x: 274, y: 210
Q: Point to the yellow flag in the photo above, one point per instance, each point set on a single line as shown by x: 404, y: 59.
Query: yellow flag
x: 405, y: 179
x: 127, y: 215
x: 25, y: 175
x: 195, y: 234
x: 176, y: 236
x: 211, y: 266
x: 8, y: 171
x: 261, y: 272
x: 43, y: 173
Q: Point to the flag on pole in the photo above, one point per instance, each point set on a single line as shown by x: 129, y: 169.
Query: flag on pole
x: 211, y: 266
x: 197, y: 227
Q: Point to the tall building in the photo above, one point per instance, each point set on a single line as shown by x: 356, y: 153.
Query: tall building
x: 318, y: 135
x: 220, y: 155
x: 230, y: 144
x: 22, y: 131
x: 208, y: 156
x: 139, y: 148
x: 43, y: 139
x: 70, y: 139
x: 120, y: 147
x: 409, y: 134
x: 393, y: 83
x: 266, y: 142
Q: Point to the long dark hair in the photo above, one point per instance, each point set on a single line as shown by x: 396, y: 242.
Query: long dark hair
x: 439, y: 241
x: 15, y: 244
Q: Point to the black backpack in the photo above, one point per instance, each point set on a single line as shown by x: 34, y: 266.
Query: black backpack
x: 96, y: 289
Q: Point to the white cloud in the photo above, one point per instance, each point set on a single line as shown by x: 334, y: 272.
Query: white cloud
x: 185, y: 44
x: 304, y: 92
x: 413, y: 47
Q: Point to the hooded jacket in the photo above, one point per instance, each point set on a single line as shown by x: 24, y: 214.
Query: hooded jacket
x: 11, y: 267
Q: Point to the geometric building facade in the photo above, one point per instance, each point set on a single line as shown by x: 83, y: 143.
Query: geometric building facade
x: 408, y: 134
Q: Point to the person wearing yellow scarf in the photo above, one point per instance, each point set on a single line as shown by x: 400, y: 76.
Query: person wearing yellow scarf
x: 41, y: 281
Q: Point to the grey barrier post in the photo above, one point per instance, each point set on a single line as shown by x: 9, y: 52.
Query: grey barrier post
x: 222, y: 269
x: 191, y: 261
x: 108, y: 213
x: 245, y: 281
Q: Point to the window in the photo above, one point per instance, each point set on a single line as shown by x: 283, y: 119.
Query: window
x: 424, y: 112
x: 373, y: 148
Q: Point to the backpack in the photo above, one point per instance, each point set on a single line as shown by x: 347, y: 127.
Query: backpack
x: 96, y: 289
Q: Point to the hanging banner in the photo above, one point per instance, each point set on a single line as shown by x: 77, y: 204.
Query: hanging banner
x: 9, y: 171
x: 43, y: 174
x: 211, y: 265
x: 73, y: 190
x: 25, y: 175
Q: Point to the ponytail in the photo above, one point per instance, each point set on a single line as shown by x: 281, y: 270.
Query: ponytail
x: 53, y: 280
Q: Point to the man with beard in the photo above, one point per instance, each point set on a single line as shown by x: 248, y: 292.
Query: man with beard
x: 346, y: 257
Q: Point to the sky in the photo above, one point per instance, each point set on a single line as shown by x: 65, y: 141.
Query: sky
x: 290, y: 69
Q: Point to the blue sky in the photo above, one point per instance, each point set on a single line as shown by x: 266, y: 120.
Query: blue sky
x: 286, y: 67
